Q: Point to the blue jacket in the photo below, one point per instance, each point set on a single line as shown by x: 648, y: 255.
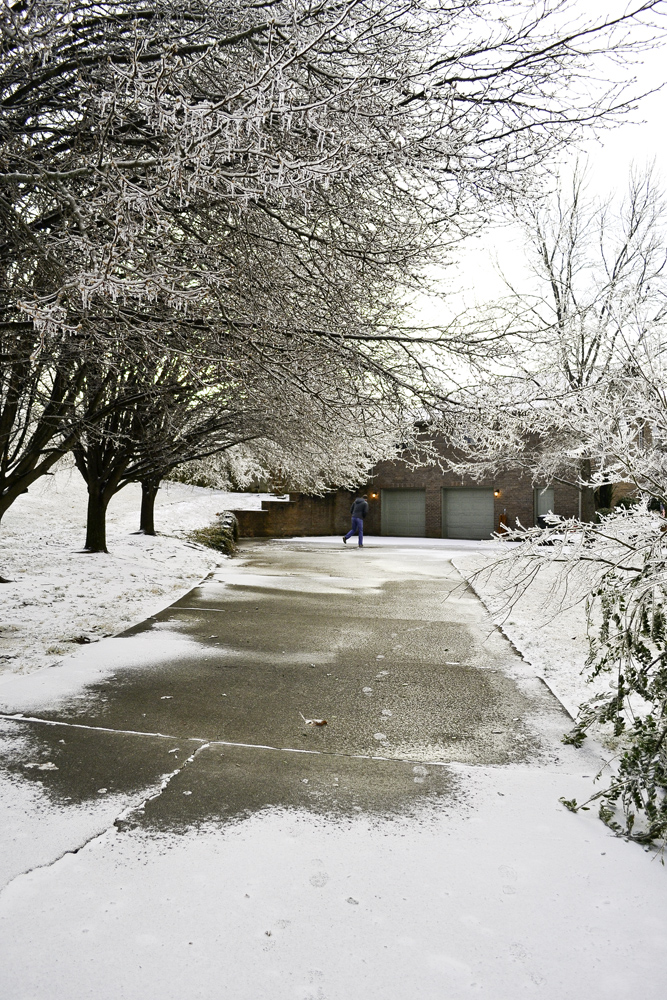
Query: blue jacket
x: 359, y: 508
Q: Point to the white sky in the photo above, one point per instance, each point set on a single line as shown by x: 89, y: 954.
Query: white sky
x: 640, y: 140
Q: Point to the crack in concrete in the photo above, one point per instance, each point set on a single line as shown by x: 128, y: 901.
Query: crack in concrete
x: 19, y: 717
x: 181, y: 607
x: 118, y: 821
x: 61, y: 857
x: 164, y: 784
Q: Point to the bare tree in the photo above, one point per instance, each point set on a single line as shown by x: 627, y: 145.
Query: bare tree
x: 600, y: 398
x: 130, y: 397
x: 198, y: 398
x: 601, y: 291
x: 307, y: 444
x: 36, y: 394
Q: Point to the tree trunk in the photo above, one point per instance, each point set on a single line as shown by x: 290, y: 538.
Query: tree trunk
x: 586, y: 494
x: 96, y: 520
x: 604, y: 496
x: 2, y: 578
x: 149, y: 490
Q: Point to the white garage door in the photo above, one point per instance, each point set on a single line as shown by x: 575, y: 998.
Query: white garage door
x: 404, y: 512
x: 467, y: 513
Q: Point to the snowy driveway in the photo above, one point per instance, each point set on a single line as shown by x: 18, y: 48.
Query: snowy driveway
x: 173, y: 829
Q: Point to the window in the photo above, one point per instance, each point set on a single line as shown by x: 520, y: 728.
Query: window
x: 543, y: 502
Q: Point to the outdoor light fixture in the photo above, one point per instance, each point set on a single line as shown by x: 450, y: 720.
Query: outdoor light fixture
x: 496, y: 493
x: 374, y: 496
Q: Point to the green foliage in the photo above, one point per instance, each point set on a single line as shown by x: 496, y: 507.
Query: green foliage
x: 631, y: 648
x: 222, y: 535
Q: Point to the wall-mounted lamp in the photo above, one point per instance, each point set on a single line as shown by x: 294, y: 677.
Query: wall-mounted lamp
x: 496, y: 493
x: 374, y: 496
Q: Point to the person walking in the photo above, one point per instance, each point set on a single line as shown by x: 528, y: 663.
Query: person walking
x: 358, y: 510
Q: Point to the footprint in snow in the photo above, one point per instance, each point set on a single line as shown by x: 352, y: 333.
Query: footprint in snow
x: 507, y: 873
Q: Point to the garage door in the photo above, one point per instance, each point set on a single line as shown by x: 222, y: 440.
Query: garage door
x: 404, y: 512
x: 467, y: 513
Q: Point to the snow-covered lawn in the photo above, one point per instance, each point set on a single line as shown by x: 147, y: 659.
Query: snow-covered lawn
x: 547, y: 623
x: 59, y: 594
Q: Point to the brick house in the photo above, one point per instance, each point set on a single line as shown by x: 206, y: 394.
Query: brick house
x: 422, y: 502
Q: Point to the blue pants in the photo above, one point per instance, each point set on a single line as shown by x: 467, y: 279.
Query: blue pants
x: 357, y: 529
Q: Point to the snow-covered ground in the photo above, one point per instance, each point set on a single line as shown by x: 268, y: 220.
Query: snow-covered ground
x: 546, y: 622
x: 59, y: 594
x: 504, y: 897
x: 490, y: 888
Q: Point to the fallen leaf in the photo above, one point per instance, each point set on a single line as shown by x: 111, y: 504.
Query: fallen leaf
x: 313, y: 722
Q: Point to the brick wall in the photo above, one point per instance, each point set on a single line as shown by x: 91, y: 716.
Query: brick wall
x: 300, y: 515
x: 515, y: 494
x: 330, y: 515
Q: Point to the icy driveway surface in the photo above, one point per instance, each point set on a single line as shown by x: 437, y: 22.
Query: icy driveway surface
x: 174, y: 829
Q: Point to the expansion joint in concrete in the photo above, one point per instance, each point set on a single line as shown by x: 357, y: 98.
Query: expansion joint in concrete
x: 223, y: 743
